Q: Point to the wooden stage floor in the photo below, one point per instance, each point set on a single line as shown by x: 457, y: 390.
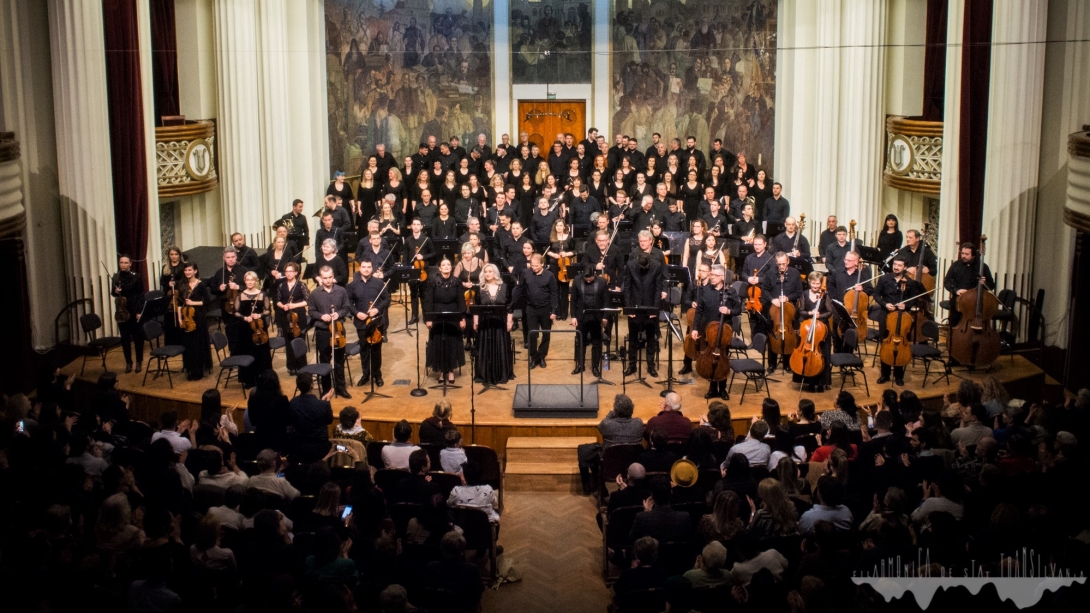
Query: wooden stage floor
x: 494, y: 415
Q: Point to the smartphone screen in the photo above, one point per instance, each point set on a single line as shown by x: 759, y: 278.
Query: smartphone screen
x: 342, y: 448
x: 347, y: 512
x: 280, y: 475
x: 20, y: 427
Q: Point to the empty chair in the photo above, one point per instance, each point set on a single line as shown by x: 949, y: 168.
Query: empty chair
x: 91, y: 323
x: 229, y: 363
x: 927, y: 350
x: 161, y: 353
x: 491, y: 470
x: 751, y: 369
x: 480, y: 534
x: 849, y: 361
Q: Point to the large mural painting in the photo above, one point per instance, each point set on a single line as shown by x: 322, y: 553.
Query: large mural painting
x: 550, y: 41
x: 402, y: 70
x: 702, y: 68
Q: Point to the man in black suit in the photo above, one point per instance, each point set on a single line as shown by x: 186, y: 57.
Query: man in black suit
x: 659, y: 520
x: 418, y: 487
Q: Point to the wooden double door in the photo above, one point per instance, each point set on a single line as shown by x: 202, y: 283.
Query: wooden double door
x: 544, y: 119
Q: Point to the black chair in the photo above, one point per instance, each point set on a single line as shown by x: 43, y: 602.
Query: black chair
x: 276, y: 342
x: 206, y: 497
x: 651, y: 600
x: 374, y: 453
x: 615, y: 461
x: 927, y: 350
x: 491, y: 469
x: 616, y: 527
x: 402, y: 512
x: 676, y: 557
x: 316, y: 371
x: 712, y: 599
x: 849, y: 361
x: 433, y: 454
x: 445, y: 481
x: 247, y: 445
x: 351, y: 350
x: 751, y: 369
x: 386, y: 479
x: 161, y: 353
x: 480, y: 534
x: 229, y: 363
x: 91, y: 323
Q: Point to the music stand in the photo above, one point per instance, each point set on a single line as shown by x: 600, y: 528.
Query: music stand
x: 576, y: 270
x: 870, y: 255
x: 843, y: 314
x: 444, y: 318
x: 636, y: 313
x: 774, y: 229
x: 672, y: 332
x: 447, y: 248
x: 404, y: 275
x: 678, y: 274
x: 580, y: 232
x: 604, y: 359
x: 614, y: 304
x: 371, y: 394
x: 800, y: 264
x: 482, y: 311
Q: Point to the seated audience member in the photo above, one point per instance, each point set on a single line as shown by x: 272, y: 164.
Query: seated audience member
x: 433, y: 430
x: 708, y: 571
x: 844, y: 411
x: 205, y: 552
x: 658, y: 519
x: 418, y: 487
x: 396, y: 454
x: 325, y: 514
x: 181, y: 436
x: 724, y: 522
x: 972, y: 426
x: 152, y: 593
x: 228, y: 513
x: 269, y: 480
x: 631, y: 489
x: 670, y: 420
x: 837, y: 439
x: 330, y: 562
x: 658, y: 459
x: 619, y: 427
x: 737, y: 478
x: 829, y: 507
x: 776, y: 515
x: 754, y: 448
x: 944, y: 495
x: 86, y: 454
x: 475, y: 493
x: 349, y: 427
x: 429, y: 526
x: 644, y: 573
x: 452, y: 456
x: 458, y: 578
x: 221, y: 474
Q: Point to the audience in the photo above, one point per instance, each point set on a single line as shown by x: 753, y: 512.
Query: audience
x: 433, y: 430
x: 396, y: 454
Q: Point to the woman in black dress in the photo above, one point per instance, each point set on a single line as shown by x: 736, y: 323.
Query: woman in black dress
x: 561, y: 247
x: 597, y: 186
x: 394, y: 185
x: 443, y: 294
x: 691, y: 193
x: 449, y: 190
x: 468, y: 272
x: 197, y: 359
x: 291, y: 298
x: 273, y: 262
x: 252, y: 305
x: 495, y: 361
x: 367, y: 197
x: 329, y: 257
x: 760, y: 192
x: 890, y: 238
x: 813, y: 300
x: 462, y: 174
x: 172, y: 276
x: 715, y: 180
x: 342, y: 189
x: 389, y: 222
x: 443, y: 226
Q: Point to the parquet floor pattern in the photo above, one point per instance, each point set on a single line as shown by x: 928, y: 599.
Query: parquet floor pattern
x: 555, y: 544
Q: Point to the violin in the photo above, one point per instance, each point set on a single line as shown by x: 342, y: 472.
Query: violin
x: 293, y: 321
x: 187, y: 315
x: 562, y: 264
x: 375, y: 336
x: 895, y: 350
x: 783, y: 339
x: 229, y: 297
x: 337, y: 339
x: 806, y: 359
x: 121, y: 303
x: 974, y: 341
x: 258, y: 327
x: 421, y: 265
x: 713, y: 362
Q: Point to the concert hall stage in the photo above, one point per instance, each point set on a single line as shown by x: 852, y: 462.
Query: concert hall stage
x: 495, y: 418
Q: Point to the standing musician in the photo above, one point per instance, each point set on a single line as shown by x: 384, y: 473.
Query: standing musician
x: 537, y: 294
x: 416, y: 248
x: 468, y: 272
x: 513, y: 243
x: 604, y: 259
x: 834, y: 253
x: 543, y: 221
x: 328, y: 257
x: 291, y: 298
x: 747, y: 224
x: 225, y: 285
x: 560, y: 254
x: 645, y: 215
x: 911, y: 255
x: 246, y: 256
x: 193, y: 293
x: 443, y: 294
x: 374, y: 250
x: 852, y: 277
x: 129, y: 285
x: 326, y: 305
x: 791, y: 241
x: 761, y: 261
x: 659, y: 240
x: 716, y: 222
x: 588, y: 293
x: 173, y: 274
x: 273, y: 262
x: 370, y: 299
x: 495, y: 358
x: 715, y: 298
x: 252, y: 305
x: 645, y: 243
x: 329, y: 231
x: 890, y: 295
x: 689, y: 301
x: 962, y: 276
x: 644, y: 287
x: 296, y: 223
x: 674, y: 221
x: 780, y: 285
x: 811, y: 303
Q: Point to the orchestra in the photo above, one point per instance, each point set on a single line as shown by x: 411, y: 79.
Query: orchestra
x: 573, y: 248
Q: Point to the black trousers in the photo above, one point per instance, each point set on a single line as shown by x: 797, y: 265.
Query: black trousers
x: 321, y: 338
x: 414, y: 297
x: 370, y: 359
x: 538, y: 319
x: 643, y: 333
x: 132, y: 333
x: 590, y: 331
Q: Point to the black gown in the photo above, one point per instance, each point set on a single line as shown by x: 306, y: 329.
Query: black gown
x: 563, y: 287
x: 288, y: 295
x: 474, y: 277
x: 261, y: 353
x: 172, y: 335
x: 495, y: 360
x: 197, y: 359
x: 368, y: 198
x: 445, y: 351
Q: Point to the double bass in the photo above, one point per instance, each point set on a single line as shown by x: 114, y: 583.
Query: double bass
x: 713, y: 362
x: 895, y: 350
x: 806, y: 359
x: 783, y: 339
x: 927, y: 280
x: 691, y: 345
x: 975, y: 342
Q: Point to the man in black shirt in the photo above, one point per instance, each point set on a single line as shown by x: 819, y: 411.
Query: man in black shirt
x: 689, y: 300
x: 228, y: 278
x: 542, y: 222
x: 757, y: 264
x: 369, y: 300
x: 384, y: 162
x: 852, y: 277
x: 662, y: 200
x: 786, y: 241
x: 327, y: 305
x: 739, y: 203
x: 604, y: 259
x: 329, y: 230
x: 310, y: 418
x: 714, y: 301
x: 674, y: 221
x: 746, y: 227
x: 341, y: 217
x: 643, y: 287
x: 129, y: 285
x: 588, y: 293
x: 895, y: 292
x: 716, y: 222
x: 912, y: 255
x: 417, y: 248
x: 581, y: 208
x: 776, y: 208
x: 828, y: 236
x: 538, y: 295
x: 834, y: 253
x: 780, y: 286
x: 247, y: 257
x: 298, y: 229
x: 692, y: 152
x: 511, y: 244
x: 373, y: 249
x: 643, y: 217
x: 962, y: 276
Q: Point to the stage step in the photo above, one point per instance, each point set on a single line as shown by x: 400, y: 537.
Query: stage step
x: 544, y: 464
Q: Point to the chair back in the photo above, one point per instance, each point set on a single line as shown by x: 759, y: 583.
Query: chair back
x: 619, y: 526
x: 931, y: 331
x: 374, y: 453
x: 299, y: 348
x: 153, y: 331
x: 617, y: 459
x: 651, y: 600
x: 476, y: 528
x: 1007, y: 298
x: 90, y: 323
x: 402, y: 512
x: 758, y: 342
x: 851, y: 340
x: 433, y: 454
x: 343, y: 459
x: 387, y: 479
x: 445, y: 481
x: 485, y: 456
x: 219, y: 341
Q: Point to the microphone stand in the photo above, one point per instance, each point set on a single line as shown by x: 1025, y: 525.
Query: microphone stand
x: 671, y: 332
x: 419, y: 390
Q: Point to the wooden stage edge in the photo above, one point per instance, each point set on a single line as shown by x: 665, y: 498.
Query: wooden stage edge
x: 495, y: 420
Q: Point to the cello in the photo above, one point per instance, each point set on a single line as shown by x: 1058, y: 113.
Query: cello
x: 894, y: 350
x: 857, y: 302
x: 927, y: 280
x: 975, y: 342
x: 783, y: 339
x: 713, y: 362
x: 806, y: 359
x: 690, y: 347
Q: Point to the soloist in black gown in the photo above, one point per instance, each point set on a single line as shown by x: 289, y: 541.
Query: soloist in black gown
x: 249, y: 305
x: 445, y: 352
x: 197, y: 358
x: 495, y: 362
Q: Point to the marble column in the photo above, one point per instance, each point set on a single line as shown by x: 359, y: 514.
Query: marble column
x: 309, y: 148
x: 274, y: 118
x: 154, y: 253
x: 238, y: 126
x: 862, y: 114
x: 825, y: 153
x: 795, y: 107
x: 947, y: 233
x: 83, y: 152
x: 1015, y: 102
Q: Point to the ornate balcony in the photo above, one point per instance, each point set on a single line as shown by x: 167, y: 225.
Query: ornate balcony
x: 913, y: 155
x: 1077, y: 208
x: 185, y: 158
